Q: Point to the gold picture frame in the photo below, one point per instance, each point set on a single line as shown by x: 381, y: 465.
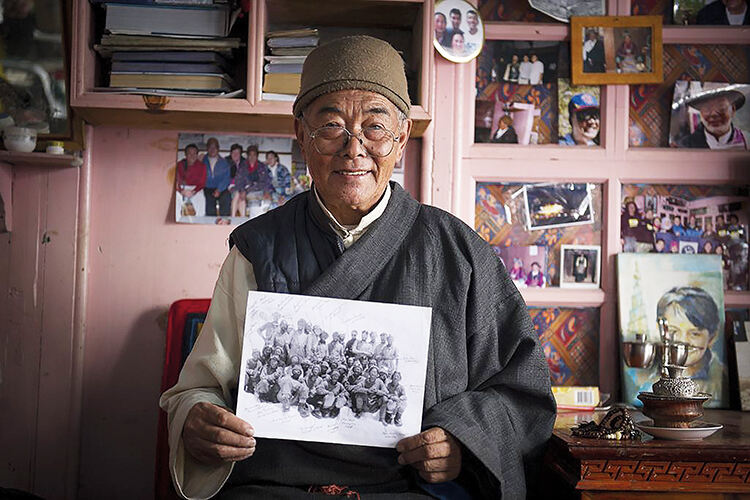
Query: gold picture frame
x: 609, y: 50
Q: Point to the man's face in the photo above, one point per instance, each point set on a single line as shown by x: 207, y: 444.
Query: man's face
x: 439, y: 24
x: 514, y: 58
x: 351, y: 181
x: 213, y: 149
x: 587, y: 123
x: 659, y: 246
x: 235, y: 154
x: 252, y: 156
x: 270, y: 159
x: 533, y: 58
x: 716, y: 115
x: 191, y: 155
x: 455, y: 20
x: 473, y: 23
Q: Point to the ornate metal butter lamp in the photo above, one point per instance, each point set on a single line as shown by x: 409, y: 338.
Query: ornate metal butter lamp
x: 674, y: 400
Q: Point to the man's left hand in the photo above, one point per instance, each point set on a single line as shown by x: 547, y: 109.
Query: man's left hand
x: 435, y: 453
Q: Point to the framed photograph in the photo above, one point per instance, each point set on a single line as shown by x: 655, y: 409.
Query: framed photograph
x: 687, y: 291
x: 581, y: 266
x: 616, y: 50
x: 710, y: 115
x: 458, y: 30
x: 557, y: 205
x: 526, y: 265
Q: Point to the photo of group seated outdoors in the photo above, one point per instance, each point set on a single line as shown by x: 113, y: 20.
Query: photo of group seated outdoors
x: 227, y: 179
x: 689, y: 220
x: 330, y: 366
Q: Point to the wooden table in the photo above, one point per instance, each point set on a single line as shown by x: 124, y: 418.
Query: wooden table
x: 716, y: 467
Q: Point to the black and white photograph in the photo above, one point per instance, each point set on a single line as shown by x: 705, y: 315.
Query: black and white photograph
x: 563, y: 10
x: 333, y: 370
x: 458, y: 30
x: 710, y: 115
x: 558, y: 205
x: 581, y: 266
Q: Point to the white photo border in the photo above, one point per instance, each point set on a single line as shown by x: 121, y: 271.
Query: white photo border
x: 597, y: 249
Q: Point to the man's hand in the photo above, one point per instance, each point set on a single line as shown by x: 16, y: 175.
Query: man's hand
x: 187, y: 193
x: 213, y: 435
x: 435, y: 453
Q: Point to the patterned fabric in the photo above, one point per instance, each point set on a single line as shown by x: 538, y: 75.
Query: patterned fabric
x: 500, y: 221
x: 570, y: 339
x: 650, y: 105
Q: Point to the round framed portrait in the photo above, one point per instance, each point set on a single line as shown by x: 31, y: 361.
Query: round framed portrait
x: 458, y: 30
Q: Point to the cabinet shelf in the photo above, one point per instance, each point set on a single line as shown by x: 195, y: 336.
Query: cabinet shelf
x: 39, y: 159
x: 250, y: 113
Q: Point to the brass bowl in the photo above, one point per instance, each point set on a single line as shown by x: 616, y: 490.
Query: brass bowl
x: 638, y: 354
x: 675, y: 412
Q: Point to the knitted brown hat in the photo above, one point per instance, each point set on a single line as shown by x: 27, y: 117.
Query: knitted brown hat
x: 354, y: 62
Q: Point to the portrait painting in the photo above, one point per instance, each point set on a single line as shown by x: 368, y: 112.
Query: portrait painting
x: 616, y: 50
x: 686, y: 291
x: 526, y: 265
x: 458, y: 30
x: 228, y: 179
x: 558, y: 205
x: 710, y: 115
x: 333, y: 370
x: 579, y: 114
x: 581, y: 266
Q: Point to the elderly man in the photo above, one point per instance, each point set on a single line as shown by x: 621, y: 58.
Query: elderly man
x: 488, y: 408
x: 716, y: 130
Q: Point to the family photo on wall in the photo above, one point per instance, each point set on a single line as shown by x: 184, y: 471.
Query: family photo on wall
x: 228, y: 179
x: 458, y: 30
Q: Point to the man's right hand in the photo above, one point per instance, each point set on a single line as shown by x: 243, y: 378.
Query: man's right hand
x: 213, y: 435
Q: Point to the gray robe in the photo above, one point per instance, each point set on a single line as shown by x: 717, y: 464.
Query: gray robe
x: 487, y: 380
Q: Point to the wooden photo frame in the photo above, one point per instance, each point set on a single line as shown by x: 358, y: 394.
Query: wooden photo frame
x: 616, y: 50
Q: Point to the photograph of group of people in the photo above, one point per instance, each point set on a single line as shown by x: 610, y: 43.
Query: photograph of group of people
x: 617, y: 50
x: 227, y: 179
x: 526, y: 265
x: 458, y: 30
x: 669, y: 224
x: 710, y: 115
x: 333, y: 370
x: 304, y: 367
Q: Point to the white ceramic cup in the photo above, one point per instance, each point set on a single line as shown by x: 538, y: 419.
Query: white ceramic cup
x: 19, y: 139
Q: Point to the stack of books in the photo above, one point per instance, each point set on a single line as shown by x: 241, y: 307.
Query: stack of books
x: 172, y: 47
x: 283, y: 66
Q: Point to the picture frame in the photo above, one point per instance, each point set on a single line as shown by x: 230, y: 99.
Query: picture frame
x: 580, y: 266
x: 457, y: 17
x: 609, y: 50
x: 549, y: 206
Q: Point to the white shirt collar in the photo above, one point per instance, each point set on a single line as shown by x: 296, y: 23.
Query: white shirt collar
x: 736, y: 19
x: 721, y: 142
x: 351, y: 233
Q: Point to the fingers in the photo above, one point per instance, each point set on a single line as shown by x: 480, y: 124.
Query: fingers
x: 435, y: 453
x: 213, y: 434
x: 221, y: 417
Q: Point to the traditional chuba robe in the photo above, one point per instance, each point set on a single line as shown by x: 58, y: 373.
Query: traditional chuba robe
x: 487, y: 380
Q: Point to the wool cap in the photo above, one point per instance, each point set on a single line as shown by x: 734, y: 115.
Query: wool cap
x: 354, y: 62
